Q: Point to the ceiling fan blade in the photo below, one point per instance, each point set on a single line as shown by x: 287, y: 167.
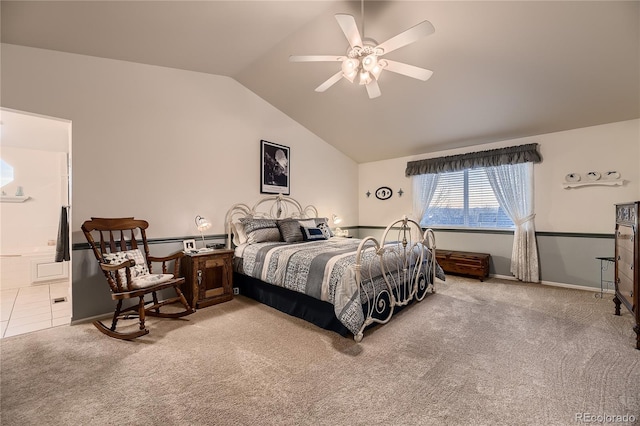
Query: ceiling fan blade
x: 330, y: 82
x: 316, y: 58
x: 408, y: 70
x: 414, y: 33
x: 373, y: 89
x: 350, y: 29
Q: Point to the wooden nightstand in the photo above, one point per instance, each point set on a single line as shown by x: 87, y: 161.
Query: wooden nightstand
x: 208, y: 277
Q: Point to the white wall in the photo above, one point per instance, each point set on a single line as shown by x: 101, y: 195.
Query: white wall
x: 588, y: 209
x: 165, y: 145
x: 33, y: 223
x: 567, y: 253
x: 36, y: 147
x: 33, y: 131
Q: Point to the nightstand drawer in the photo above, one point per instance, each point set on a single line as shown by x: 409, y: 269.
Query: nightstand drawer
x: 214, y: 263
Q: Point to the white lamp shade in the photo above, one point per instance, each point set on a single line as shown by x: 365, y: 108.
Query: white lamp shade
x: 336, y: 219
x: 369, y: 62
x: 202, y: 223
x: 365, y: 77
x: 350, y: 68
x: 377, y: 68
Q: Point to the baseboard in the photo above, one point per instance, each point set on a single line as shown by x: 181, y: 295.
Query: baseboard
x: 556, y: 284
x: 575, y: 287
x: 91, y: 319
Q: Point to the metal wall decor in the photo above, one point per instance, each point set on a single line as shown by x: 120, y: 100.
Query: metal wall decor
x: 384, y: 193
x: 592, y: 178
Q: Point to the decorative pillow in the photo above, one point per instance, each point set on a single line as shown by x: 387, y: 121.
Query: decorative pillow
x: 309, y: 223
x: 319, y: 222
x: 116, y: 258
x: 325, y: 230
x: 290, y: 230
x: 260, y: 230
x: 239, y: 235
x: 312, y: 234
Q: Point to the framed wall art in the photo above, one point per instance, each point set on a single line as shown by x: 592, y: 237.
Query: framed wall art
x: 274, y: 168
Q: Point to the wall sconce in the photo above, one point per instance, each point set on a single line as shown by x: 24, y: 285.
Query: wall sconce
x: 202, y: 224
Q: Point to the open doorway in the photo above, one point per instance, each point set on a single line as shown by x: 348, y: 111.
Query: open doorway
x: 35, y: 289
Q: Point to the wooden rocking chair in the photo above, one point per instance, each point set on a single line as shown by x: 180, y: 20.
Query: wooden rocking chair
x: 129, y: 274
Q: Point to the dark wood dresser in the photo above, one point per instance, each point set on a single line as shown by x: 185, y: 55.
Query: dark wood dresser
x: 626, y: 258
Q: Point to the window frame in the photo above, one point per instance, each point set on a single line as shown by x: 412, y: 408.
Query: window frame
x: 466, y: 187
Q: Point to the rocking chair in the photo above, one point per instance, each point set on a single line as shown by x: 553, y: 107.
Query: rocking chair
x: 129, y: 274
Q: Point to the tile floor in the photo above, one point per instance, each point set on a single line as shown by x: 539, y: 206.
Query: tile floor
x: 27, y: 309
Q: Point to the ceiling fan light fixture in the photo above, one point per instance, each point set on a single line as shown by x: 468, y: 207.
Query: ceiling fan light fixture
x: 365, y: 77
x: 349, y: 65
x: 377, y: 69
x: 350, y: 68
x: 363, y: 59
x: 369, y: 62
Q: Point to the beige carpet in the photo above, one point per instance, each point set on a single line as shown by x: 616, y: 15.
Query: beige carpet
x: 493, y: 353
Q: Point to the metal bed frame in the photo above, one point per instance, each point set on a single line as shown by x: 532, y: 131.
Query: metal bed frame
x: 405, y: 256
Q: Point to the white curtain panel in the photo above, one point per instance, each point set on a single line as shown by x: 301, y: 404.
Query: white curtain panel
x: 513, y: 187
x: 424, y: 186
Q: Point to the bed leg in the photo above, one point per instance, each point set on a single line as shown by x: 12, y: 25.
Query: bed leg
x: 358, y: 337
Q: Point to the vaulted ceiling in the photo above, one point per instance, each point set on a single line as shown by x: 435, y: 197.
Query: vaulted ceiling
x: 502, y: 69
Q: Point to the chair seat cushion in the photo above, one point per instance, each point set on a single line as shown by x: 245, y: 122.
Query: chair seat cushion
x: 149, y: 280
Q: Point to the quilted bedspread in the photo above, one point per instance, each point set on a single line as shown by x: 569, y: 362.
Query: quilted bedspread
x: 321, y: 269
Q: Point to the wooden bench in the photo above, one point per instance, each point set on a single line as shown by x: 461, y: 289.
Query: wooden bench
x: 464, y: 263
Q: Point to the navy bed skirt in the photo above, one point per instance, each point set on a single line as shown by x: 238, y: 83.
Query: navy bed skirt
x: 290, y: 302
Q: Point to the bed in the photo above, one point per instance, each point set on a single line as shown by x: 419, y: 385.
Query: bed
x: 287, y: 257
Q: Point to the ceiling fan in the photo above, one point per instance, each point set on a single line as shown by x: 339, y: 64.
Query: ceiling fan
x: 363, y: 61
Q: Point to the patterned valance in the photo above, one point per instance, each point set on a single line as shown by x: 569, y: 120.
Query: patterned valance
x: 493, y: 157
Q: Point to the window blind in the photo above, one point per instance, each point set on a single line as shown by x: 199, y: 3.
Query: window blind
x: 465, y: 199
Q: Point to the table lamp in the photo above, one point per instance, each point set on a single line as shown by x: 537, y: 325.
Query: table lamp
x: 203, y: 224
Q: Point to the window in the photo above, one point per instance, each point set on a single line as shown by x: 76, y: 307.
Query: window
x: 6, y: 173
x: 465, y: 199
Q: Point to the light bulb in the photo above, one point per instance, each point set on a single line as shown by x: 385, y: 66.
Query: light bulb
x: 377, y: 69
x: 369, y: 62
x: 365, y: 77
x: 350, y: 68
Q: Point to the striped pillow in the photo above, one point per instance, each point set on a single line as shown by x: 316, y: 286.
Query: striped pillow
x: 260, y: 230
x: 290, y: 230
